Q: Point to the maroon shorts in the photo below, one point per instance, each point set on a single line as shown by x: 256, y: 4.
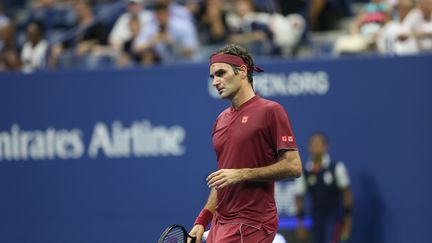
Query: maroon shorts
x: 238, y: 233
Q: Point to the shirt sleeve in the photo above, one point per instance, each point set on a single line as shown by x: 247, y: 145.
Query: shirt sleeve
x: 280, y: 126
x: 119, y: 31
x: 342, y: 177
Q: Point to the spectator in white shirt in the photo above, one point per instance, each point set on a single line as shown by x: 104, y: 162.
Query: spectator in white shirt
x: 121, y: 32
x: 395, y: 37
x: 34, y: 51
x: 419, y: 21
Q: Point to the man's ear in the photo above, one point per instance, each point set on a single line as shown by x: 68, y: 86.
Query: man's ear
x: 243, y: 71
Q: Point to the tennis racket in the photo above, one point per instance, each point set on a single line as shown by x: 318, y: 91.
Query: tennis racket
x: 176, y: 234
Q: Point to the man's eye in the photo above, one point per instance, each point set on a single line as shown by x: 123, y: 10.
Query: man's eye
x: 220, y: 73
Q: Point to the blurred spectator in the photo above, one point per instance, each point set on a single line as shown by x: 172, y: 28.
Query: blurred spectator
x: 4, y: 22
x: 264, y: 33
x: 246, y: 30
x: 121, y: 31
x: 4, y: 19
x: 325, y: 14
x: 126, y: 56
x: 419, y: 21
x: 177, y: 10
x: 168, y: 38
x: 395, y: 37
x: 371, y: 18
x: 92, y: 33
x: 34, y: 51
x: 211, y: 22
x: 87, y: 38
x: 365, y: 30
x: 327, y: 183
x: 9, y: 59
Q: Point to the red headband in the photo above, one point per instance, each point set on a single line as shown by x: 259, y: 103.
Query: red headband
x: 234, y: 60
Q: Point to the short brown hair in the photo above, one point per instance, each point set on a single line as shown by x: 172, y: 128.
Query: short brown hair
x: 241, y: 52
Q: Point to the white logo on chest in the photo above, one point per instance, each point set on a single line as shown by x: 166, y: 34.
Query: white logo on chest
x: 245, y: 119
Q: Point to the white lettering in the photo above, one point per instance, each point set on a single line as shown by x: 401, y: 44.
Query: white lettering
x: 40, y: 145
x: 141, y: 139
x: 100, y: 141
x: 35, y: 145
x: 291, y: 84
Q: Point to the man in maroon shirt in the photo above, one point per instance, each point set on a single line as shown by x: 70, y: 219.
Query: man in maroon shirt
x: 255, y: 146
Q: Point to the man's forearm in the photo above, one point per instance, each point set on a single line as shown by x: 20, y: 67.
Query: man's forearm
x: 288, y: 167
x: 211, y: 201
x: 206, y: 214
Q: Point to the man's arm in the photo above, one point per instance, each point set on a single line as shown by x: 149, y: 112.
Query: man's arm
x: 289, y: 166
x: 198, y: 229
x: 348, y: 205
x: 211, y: 201
x: 343, y: 182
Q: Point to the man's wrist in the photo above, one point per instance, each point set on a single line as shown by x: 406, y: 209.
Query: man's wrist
x: 246, y: 174
x: 204, y: 218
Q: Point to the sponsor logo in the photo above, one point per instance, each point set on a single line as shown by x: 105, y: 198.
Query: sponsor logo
x: 288, y: 139
x: 245, y: 119
x: 115, y: 140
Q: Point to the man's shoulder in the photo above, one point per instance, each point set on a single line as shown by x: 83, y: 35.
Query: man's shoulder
x: 270, y: 105
x: 226, y: 111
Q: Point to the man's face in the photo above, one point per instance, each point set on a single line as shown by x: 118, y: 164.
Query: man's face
x: 134, y: 7
x: 317, y: 146
x: 243, y: 7
x: 226, y: 82
x: 33, y: 33
x: 162, y: 16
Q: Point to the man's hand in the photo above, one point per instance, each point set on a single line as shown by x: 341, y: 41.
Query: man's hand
x: 197, y: 231
x: 224, y: 177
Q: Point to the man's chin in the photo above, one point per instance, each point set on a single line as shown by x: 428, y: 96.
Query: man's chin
x: 223, y: 95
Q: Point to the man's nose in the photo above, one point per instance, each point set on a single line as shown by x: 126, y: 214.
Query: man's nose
x: 215, y: 81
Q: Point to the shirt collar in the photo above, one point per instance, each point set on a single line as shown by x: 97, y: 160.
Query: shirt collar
x: 246, y: 104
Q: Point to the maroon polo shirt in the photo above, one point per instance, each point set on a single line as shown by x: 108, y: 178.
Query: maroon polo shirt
x: 249, y: 137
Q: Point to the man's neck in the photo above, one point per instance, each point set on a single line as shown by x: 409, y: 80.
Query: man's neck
x: 242, y: 96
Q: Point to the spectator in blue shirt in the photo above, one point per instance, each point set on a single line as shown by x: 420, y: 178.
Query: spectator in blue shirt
x: 168, y: 38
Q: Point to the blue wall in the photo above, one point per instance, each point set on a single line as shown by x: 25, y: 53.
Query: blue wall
x: 116, y: 156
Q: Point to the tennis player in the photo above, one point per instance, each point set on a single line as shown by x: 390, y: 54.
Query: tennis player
x: 255, y: 146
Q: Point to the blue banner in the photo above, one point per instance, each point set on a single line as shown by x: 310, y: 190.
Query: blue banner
x: 117, y: 156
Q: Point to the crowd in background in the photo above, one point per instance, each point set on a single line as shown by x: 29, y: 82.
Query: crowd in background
x: 48, y: 34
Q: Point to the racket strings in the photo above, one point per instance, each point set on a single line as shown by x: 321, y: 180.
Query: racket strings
x: 175, y: 235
